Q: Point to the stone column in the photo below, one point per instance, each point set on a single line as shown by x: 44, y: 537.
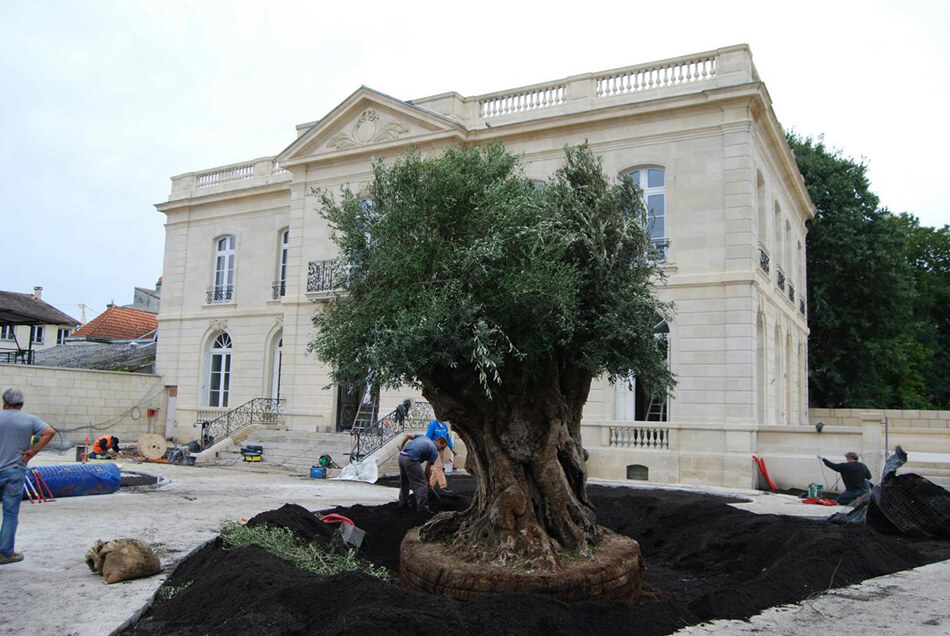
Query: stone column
x: 872, y: 443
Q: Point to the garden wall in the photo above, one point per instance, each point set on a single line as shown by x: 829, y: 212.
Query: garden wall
x: 81, y: 402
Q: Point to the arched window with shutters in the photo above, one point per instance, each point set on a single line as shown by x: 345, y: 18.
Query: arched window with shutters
x: 219, y: 371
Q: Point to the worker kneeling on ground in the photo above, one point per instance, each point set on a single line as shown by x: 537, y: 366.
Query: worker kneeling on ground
x: 105, y: 447
x: 855, y: 475
x: 413, y: 450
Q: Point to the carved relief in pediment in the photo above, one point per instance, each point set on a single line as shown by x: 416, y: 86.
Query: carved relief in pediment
x: 370, y: 128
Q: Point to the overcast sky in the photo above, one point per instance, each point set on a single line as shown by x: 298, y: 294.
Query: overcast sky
x: 102, y: 102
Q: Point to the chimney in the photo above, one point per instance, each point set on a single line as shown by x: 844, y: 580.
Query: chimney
x: 38, y: 293
x: 158, y: 286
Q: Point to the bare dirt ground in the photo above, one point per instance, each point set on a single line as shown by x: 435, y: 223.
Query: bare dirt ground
x: 56, y: 593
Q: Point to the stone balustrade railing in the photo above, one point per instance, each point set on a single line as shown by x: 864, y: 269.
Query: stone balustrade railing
x: 543, y: 96
x: 641, y: 437
x: 701, y: 71
x: 257, y: 172
x: 648, y: 77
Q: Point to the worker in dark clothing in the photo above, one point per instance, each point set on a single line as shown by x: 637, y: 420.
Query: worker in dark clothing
x: 855, y: 475
x: 413, y: 451
x: 105, y: 447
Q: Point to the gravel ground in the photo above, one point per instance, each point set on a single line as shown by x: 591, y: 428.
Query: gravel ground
x: 57, y: 594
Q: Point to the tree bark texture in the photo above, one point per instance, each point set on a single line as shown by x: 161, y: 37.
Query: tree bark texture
x: 524, y: 447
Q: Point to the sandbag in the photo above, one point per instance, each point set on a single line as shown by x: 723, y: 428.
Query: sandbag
x: 365, y: 470
x: 122, y: 560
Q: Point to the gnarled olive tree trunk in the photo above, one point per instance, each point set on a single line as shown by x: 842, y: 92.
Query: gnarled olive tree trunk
x: 524, y: 448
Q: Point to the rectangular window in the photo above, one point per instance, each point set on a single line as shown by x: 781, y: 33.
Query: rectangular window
x: 37, y: 333
x: 222, y: 291
x: 652, y: 182
x: 61, y: 336
x: 7, y: 332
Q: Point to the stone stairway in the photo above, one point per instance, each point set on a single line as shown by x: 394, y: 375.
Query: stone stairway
x: 933, y: 466
x: 295, y: 451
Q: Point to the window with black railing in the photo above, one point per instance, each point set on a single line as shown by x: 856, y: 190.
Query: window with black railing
x: 763, y: 259
x: 222, y: 291
x: 326, y: 275
x: 220, y: 294
x: 780, y: 280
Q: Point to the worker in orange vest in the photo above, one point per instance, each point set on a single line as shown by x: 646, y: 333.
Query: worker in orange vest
x: 105, y: 447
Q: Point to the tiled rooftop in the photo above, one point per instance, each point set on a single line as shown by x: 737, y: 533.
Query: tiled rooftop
x: 119, y: 323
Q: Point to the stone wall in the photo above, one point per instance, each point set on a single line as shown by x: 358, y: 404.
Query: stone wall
x: 721, y: 455
x: 80, y: 402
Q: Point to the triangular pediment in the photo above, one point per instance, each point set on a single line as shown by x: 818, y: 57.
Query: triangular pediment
x: 368, y: 121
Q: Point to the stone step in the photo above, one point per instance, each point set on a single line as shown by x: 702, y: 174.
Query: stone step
x: 284, y: 448
x: 298, y: 437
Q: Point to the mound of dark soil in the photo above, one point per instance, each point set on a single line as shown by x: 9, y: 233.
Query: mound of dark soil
x: 704, y: 560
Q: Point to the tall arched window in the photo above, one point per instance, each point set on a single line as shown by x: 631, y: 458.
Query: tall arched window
x: 762, y: 222
x: 223, y: 289
x: 779, y: 255
x: 219, y: 371
x: 633, y: 403
x: 280, y: 285
x: 277, y: 356
x: 652, y: 180
x: 761, y: 372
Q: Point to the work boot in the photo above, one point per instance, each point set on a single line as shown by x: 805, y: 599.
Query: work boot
x: 12, y: 558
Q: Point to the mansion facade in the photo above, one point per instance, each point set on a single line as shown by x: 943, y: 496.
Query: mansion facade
x: 248, y: 258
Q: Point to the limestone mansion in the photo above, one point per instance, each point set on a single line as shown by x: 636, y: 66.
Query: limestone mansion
x: 248, y: 257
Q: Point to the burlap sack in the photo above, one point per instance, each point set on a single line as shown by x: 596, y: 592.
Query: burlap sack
x: 122, y: 560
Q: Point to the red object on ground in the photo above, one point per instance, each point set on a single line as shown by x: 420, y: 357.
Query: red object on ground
x: 765, y: 472
x: 335, y: 518
x: 819, y: 501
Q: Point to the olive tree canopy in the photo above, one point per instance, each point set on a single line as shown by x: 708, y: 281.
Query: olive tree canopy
x: 499, y: 298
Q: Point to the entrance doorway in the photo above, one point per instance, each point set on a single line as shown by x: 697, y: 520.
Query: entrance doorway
x: 348, y: 400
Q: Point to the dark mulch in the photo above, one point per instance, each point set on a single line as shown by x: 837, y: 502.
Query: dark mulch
x: 704, y: 560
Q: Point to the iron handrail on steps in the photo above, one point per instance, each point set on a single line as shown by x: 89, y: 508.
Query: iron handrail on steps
x: 369, y: 437
x: 266, y: 411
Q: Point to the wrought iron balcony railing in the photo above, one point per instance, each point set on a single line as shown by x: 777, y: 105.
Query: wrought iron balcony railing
x: 220, y: 294
x: 326, y: 275
x: 278, y: 289
x: 781, y: 278
x: 763, y: 259
x: 802, y: 306
x: 791, y: 292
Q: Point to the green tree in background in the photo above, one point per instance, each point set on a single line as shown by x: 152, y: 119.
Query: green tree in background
x: 500, y: 300
x: 864, y: 350
x: 929, y: 254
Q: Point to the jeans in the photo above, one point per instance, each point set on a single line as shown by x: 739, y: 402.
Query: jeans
x: 11, y: 489
x: 412, y: 476
x: 850, y: 495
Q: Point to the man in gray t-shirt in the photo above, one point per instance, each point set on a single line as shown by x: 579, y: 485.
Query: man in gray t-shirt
x: 17, y: 429
x: 414, y: 450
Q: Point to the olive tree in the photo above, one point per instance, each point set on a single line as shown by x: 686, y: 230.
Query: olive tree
x: 500, y: 299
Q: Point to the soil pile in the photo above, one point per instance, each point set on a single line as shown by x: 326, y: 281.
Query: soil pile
x: 704, y: 560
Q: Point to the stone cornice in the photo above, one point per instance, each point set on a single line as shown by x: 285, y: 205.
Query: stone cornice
x: 229, y: 195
